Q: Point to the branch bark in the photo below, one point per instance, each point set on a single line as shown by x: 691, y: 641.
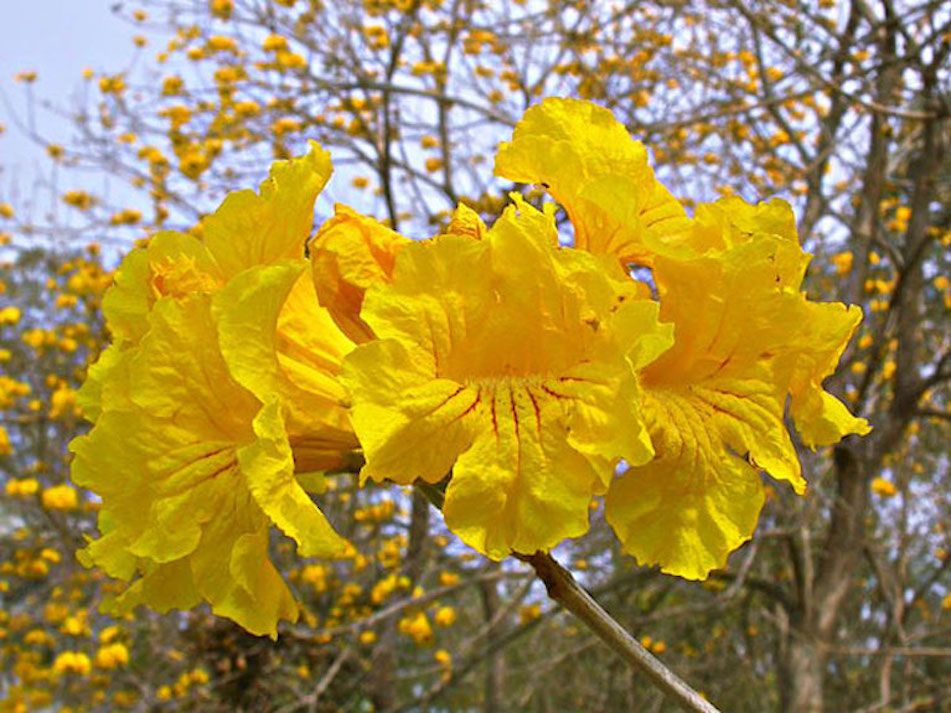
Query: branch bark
x: 563, y: 588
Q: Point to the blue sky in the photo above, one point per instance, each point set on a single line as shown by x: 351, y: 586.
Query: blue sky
x: 56, y: 38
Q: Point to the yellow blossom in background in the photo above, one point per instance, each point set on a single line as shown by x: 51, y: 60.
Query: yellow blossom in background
x: 417, y: 627
x: 22, y: 487
x: 6, y: 448
x: 884, y: 488
x: 79, y: 200
x: 72, y: 662
x: 112, y: 656
x: 9, y: 315
x: 221, y: 8
x: 843, y: 262
x: 445, y: 616
x: 63, y: 403
x: 60, y: 497
x: 529, y: 613
x: 444, y: 659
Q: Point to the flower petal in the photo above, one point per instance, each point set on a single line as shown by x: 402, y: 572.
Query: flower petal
x: 268, y: 467
x: 820, y: 417
x: 520, y: 487
x: 277, y: 341
x: 350, y: 253
x: 267, y: 227
x: 182, y: 438
x: 590, y: 164
x: 687, y: 510
x: 411, y: 425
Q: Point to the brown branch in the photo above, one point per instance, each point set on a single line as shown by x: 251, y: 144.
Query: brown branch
x: 563, y: 588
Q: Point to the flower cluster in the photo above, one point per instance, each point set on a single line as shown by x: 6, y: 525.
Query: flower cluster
x: 524, y: 376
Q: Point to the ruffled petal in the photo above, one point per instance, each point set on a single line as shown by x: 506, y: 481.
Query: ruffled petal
x: 350, y: 253
x: 820, y: 418
x: 690, y: 508
x: 272, y: 225
x: 398, y: 406
x: 198, y: 473
x: 590, y: 164
x: 277, y: 341
x: 268, y: 467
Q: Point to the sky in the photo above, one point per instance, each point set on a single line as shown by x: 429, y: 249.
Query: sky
x: 57, y: 39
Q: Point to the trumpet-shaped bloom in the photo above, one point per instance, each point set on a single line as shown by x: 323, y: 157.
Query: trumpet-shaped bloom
x: 218, y: 396
x: 589, y: 163
x: 204, y: 471
x: 511, y: 363
x: 248, y: 229
x: 745, y: 339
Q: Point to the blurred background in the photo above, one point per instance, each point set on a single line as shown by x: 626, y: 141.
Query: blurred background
x: 122, y: 119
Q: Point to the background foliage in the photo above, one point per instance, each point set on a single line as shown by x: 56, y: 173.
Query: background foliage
x: 841, y: 602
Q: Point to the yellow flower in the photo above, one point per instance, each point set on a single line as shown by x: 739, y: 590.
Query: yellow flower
x: 6, y: 448
x: 510, y: 362
x: 746, y: 337
x: 60, y: 497
x: 884, y: 488
x: 79, y: 199
x: 529, y: 613
x: 63, y: 403
x: 112, y: 656
x: 274, y: 43
x: 589, y: 163
x: 248, y: 229
x: 73, y: 662
x: 448, y: 579
x: 9, y: 315
x: 416, y: 626
x: 22, y: 487
x: 843, y: 262
x: 444, y: 659
x: 205, y: 469
x: 217, y: 398
x: 445, y: 616
x: 221, y: 9
x: 221, y: 43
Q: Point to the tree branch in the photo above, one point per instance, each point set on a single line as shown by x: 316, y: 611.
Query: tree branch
x: 563, y: 588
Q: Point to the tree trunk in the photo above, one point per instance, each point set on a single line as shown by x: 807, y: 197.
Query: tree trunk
x: 801, y: 671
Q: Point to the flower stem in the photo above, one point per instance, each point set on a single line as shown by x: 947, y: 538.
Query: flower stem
x: 563, y: 588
